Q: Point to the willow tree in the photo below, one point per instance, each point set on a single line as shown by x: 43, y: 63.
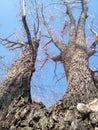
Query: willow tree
x: 82, y: 87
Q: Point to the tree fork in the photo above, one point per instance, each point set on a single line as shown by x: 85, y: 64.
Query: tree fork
x: 81, y: 87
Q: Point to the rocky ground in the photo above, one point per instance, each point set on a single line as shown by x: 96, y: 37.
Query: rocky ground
x: 22, y: 115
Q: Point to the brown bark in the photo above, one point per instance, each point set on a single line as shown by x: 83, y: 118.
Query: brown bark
x: 17, y: 82
x: 81, y: 87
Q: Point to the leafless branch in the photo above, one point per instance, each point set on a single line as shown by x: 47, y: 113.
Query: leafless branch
x: 45, y: 36
x: 46, y: 44
x: 45, y: 60
x: 54, y: 40
x: 93, y: 31
x: 62, y: 32
x: 82, y: 19
x: 53, y: 58
x: 93, y: 46
x: 91, y: 52
x: 24, y: 8
x: 36, y: 25
x: 63, y: 76
x: 36, y: 30
x: 72, y: 25
x: 55, y: 75
x: 27, y: 30
x: 11, y: 45
x: 26, y: 27
x: 72, y: 2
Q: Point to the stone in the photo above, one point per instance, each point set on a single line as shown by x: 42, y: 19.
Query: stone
x: 93, y: 105
x: 69, y: 116
x: 96, y: 128
x: 87, y: 108
x: 74, y: 125
x: 94, y: 117
x: 82, y: 108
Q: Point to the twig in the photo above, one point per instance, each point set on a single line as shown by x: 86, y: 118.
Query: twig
x: 11, y: 45
x: 47, y: 44
x: 93, y: 31
x: 62, y: 32
x: 93, y: 46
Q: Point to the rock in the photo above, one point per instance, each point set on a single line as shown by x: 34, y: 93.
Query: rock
x: 74, y: 125
x: 80, y: 125
x: 94, y: 117
x: 82, y: 108
x: 87, y: 108
x: 69, y: 116
x: 96, y: 128
x: 62, y: 127
x: 43, y: 123
x: 93, y: 105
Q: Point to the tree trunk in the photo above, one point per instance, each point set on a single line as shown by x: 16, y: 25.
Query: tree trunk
x: 17, y: 82
x: 81, y: 86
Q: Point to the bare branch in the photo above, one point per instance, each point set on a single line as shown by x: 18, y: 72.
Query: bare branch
x: 27, y: 28
x: 62, y: 32
x: 93, y: 31
x: 55, y: 75
x: 90, y: 52
x: 54, y: 58
x: 93, y: 46
x: 25, y: 23
x: 36, y: 25
x: 37, y: 17
x: 72, y: 26
x: 46, y: 36
x: 82, y: 19
x: 56, y: 42
x: 24, y: 8
x: 45, y: 60
x: 10, y: 35
x: 11, y: 45
x: 46, y: 44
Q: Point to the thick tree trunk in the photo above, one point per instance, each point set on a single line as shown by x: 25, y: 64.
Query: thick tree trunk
x: 81, y: 86
x: 17, y: 82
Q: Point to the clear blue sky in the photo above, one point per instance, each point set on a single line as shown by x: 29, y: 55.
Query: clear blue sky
x: 44, y: 85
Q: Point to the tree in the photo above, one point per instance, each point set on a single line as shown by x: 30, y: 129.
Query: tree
x: 18, y: 112
x: 23, y: 67
x: 74, y: 57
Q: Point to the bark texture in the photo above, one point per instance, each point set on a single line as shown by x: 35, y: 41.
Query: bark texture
x: 17, y: 82
x: 81, y: 86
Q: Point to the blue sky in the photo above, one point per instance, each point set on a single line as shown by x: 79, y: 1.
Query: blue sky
x: 44, y: 86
